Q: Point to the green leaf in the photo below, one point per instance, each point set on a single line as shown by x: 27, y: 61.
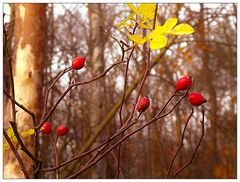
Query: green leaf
x: 182, y: 29
x: 170, y: 23
x: 138, y: 39
x: 158, y: 42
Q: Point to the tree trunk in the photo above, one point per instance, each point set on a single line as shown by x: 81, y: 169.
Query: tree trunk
x: 208, y: 76
x: 29, y: 37
x: 96, y: 63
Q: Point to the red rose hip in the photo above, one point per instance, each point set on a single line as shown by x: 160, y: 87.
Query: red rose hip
x: 62, y: 130
x: 143, y: 104
x: 196, y: 99
x: 183, y: 83
x: 78, y: 63
x: 47, y: 128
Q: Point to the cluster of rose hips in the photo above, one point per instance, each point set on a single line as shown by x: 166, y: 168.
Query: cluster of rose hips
x: 195, y: 98
x: 61, y: 129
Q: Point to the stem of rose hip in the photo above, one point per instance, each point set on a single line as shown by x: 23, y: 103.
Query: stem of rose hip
x: 125, y: 137
x: 180, y: 146
x: 70, y: 87
x: 54, y: 142
x: 47, y: 91
x: 121, y: 130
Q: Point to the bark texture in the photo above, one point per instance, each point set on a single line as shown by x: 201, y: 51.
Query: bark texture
x: 29, y: 46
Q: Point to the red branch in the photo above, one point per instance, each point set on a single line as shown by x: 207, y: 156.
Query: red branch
x: 195, y: 151
x: 126, y: 137
x: 69, y: 88
x: 181, y: 144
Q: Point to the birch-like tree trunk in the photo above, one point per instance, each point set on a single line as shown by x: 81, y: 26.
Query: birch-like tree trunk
x: 29, y: 46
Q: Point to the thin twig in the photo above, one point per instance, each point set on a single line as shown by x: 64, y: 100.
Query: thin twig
x: 125, y: 127
x: 22, y: 107
x: 11, y: 74
x: 56, y: 156
x: 180, y: 146
x: 122, y: 129
x: 123, y: 139
x: 117, y: 166
x: 47, y: 91
x: 70, y: 87
x: 23, y: 147
x: 123, y: 98
x: 196, y: 149
x: 125, y: 85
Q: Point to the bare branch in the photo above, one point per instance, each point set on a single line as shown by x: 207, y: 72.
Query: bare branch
x: 181, y: 144
x: 195, y: 151
x: 69, y: 88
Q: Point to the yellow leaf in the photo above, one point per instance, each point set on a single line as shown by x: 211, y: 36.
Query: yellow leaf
x: 146, y: 9
x: 150, y: 24
x: 143, y: 25
x: 170, y: 23
x: 159, y: 30
x: 158, y: 42
x: 5, y: 146
x: 148, y: 17
x: 28, y: 133
x: 123, y: 23
x: 14, y: 141
x: 182, y: 29
x: 12, y: 137
x: 10, y: 133
x: 138, y: 39
x: 132, y: 7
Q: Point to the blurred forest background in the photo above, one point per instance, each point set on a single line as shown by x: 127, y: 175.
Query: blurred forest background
x: 65, y: 31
